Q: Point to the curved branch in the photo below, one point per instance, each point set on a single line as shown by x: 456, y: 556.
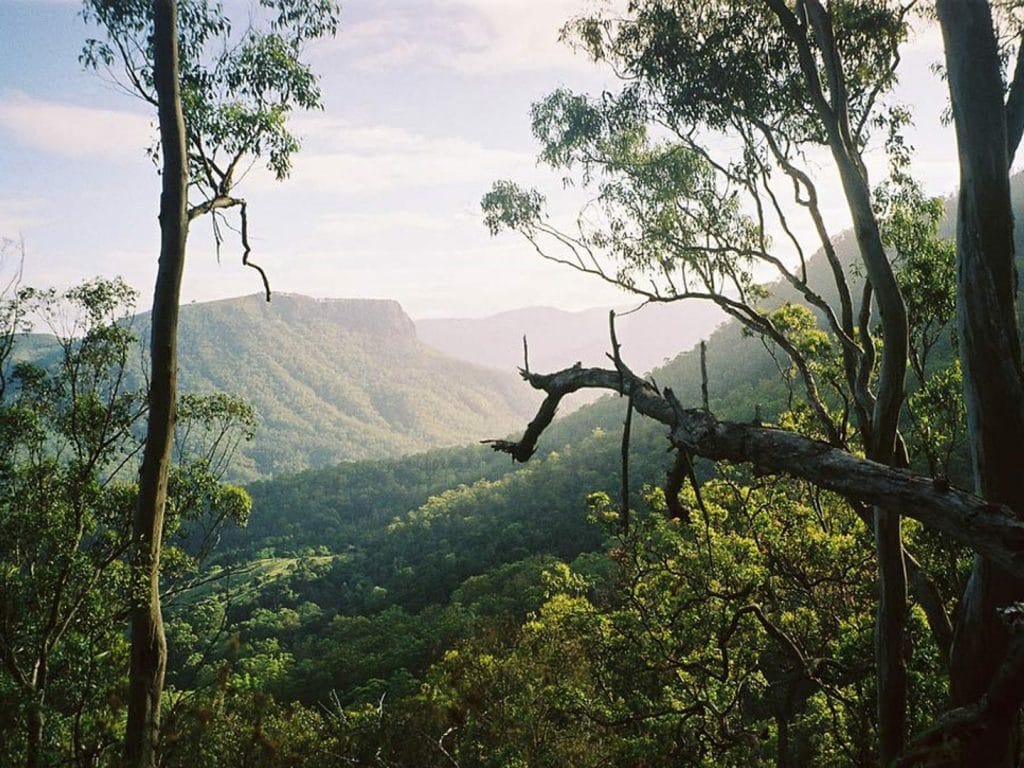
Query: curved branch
x: 225, y: 201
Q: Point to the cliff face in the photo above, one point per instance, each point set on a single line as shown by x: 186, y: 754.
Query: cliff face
x: 381, y: 317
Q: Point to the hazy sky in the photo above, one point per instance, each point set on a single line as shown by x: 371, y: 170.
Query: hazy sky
x: 427, y: 102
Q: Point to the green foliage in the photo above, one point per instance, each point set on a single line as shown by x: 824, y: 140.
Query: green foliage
x: 740, y: 636
x: 672, y: 216
x: 925, y: 266
x: 236, y: 726
x: 709, y: 63
x: 238, y: 88
x: 68, y: 458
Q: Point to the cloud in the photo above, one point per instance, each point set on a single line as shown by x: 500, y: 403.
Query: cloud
x: 75, y: 131
x: 472, y: 37
x: 346, y: 158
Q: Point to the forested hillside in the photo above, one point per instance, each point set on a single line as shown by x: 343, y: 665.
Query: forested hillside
x: 340, y: 379
x: 331, y: 380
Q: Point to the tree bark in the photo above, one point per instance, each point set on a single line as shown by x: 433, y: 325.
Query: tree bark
x: 880, y: 439
x: 34, y: 733
x: 989, y: 349
x: 148, y: 644
x: 993, y: 530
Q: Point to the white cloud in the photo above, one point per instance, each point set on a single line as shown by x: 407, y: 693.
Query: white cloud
x: 346, y: 158
x: 472, y: 37
x: 75, y: 131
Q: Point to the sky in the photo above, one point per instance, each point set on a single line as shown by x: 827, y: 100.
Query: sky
x: 426, y: 104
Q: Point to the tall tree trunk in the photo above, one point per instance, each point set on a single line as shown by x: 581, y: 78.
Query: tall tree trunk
x: 989, y: 346
x: 880, y: 444
x: 149, y: 646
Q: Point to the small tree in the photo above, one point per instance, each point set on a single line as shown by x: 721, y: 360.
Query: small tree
x: 70, y: 422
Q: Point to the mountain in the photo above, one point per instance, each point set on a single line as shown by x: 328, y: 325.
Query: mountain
x: 341, y: 379
x: 353, y: 379
x: 649, y: 336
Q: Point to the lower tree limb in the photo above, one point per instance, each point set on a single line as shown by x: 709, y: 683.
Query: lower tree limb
x: 993, y: 530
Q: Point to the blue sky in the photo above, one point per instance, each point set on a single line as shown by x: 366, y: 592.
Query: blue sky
x: 427, y: 102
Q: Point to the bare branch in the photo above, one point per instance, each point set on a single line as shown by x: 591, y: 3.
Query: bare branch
x: 224, y: 201
x: 993, y: 530
x: 243, y: 214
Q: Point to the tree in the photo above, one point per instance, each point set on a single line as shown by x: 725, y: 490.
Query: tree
x: 70, y: 413
x: 678, y: 216
x: 220, y: 101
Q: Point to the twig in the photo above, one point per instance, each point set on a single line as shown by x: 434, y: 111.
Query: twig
x: 626, y: 427
x: 245, y: 244
x: 704, y: 375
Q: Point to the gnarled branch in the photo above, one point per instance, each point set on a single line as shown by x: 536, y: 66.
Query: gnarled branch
x: 993, y: 530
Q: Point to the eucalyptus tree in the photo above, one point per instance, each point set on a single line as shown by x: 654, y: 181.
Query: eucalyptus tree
x: 988, y: 111
x: 707, y: 165
x: 70, y: 412
x: 223, y: 100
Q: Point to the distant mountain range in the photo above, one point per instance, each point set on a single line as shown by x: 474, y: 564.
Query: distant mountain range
x: 354, y: 379
x: 650, y: 336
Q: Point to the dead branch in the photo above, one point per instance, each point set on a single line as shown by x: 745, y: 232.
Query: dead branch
x: 246, y: 262
x: 993, y: 530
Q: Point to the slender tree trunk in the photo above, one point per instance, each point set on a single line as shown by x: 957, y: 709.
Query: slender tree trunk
x: 149, y: 647
x: 890, y: 633
x: 989, y: 348
x: 880, y: 443
x: 880, y: 440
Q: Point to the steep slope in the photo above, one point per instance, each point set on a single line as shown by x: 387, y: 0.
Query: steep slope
x: 556, y: 338
x: 336, y: 380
